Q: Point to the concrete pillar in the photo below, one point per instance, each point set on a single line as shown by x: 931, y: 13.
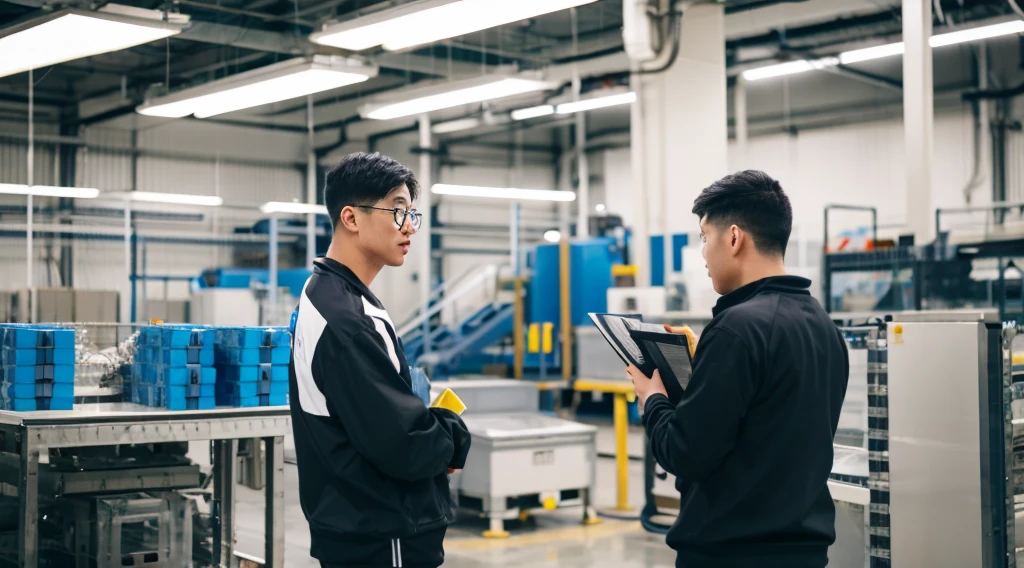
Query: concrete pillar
x: 640, y: 245
x: 739, y: 114
x: 684, y: 133
x: 564, y: 179
x: 918, y: 117
x: 311, y: 183
x: 425, y: 180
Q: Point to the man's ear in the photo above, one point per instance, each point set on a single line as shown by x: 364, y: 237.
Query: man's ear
x: 737, y: 238
x: 347, y: 219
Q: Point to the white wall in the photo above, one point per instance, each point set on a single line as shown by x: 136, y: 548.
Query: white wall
x: 245, y: 166
x: 858, y: 164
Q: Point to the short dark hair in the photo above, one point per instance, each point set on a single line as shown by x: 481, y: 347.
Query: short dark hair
x: 754, y: 202
x: 364, y: 179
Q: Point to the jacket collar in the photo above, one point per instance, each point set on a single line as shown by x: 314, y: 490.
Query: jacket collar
x: 330, y: 266
x: 783, y: 284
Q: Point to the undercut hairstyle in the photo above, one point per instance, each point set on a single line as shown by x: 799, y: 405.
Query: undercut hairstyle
x: 364, y: 179
x: 752, y: 201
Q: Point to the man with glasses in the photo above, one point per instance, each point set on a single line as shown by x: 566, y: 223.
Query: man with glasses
x: 372, y: 458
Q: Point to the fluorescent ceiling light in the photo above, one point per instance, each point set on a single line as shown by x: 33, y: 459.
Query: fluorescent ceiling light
x: 279, y: 82
x: 48, y: 191
x: 447, y: 95
x: 71, y: 34
x: 940, y: 40
x: 533, y: 112
x: 292, y: 207
x: 173, y: 198
x: 595, y: 103
x: 503, y: 192
x: 869, y: 53
x: 552, y: 236
x: 789, y: 68
x: 455, y: 125
x: 427, y: 21
x: 974, y: 34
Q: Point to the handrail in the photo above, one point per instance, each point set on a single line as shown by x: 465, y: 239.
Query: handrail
x: 466, y: 283
x: 987, y: 209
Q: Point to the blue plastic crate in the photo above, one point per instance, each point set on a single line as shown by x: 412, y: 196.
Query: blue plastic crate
x: 233, y: 391
x: 33, y: 373
x: 177, y: 356
x: 254, y: 356
x: 32, y: 404
x: 32, y: 336
x: 252, y: 337
x: 187, y: 336
x: 37, y: 390
x: 38, y: 356
x: 252, y: 373
x: 190, y: 374
x: 261, y: 400
x: 171, y: 398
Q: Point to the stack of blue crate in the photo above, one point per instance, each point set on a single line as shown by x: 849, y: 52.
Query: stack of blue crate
x: 37, y: 368
x: 252, y: 364
x: 173, y: 368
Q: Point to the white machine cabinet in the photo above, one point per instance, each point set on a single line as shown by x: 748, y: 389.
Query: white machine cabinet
x: 520, y: 459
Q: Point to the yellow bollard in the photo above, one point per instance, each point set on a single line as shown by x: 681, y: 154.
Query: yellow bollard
x: 621, y: 421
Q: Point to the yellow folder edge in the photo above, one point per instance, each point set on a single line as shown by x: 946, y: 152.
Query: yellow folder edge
x: 450, y: 401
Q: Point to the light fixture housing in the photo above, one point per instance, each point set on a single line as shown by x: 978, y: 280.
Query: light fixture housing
x: 456, y: 125
x: 409, y: 102
x: 789, y: 68
x: 70, y: 34
x: 428, y: 21
x: 533, y: 112
x: 503, y: 192
x: 596, y: 102
x: 278, y: 82
x: 885, y: 50
x: 49, y: 191
x: 168, y: 198
x: 293, y: 207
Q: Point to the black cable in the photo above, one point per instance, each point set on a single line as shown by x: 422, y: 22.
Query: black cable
x: 994, y: 94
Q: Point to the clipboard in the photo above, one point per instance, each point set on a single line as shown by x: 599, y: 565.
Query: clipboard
x: 669, y: 353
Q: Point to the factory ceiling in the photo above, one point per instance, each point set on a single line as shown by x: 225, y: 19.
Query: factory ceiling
x: 227, y: 37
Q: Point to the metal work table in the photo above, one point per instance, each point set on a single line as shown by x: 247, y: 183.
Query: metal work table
x: 108, y: 424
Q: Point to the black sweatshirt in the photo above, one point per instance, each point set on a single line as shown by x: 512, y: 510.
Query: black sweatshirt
x: 750, y: 443
x: 372, y: 459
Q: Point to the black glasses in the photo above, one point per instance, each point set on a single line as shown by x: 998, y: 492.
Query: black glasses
x: 414, y: 216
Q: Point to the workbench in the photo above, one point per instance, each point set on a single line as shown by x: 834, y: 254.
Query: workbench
x: 108, y: 424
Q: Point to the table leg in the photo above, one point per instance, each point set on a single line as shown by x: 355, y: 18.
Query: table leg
x: 225, y: 455
x: 274, y: 537
x: 28, y: 506
x: 621, y: 422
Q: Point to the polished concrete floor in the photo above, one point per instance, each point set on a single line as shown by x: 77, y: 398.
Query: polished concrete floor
x: 545, y: 540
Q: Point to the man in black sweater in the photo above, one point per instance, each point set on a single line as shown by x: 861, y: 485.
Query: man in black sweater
x: 750, y: 443
x: 373, y: 459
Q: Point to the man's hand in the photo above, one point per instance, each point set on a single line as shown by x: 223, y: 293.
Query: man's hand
x: 643, y: 386
x: 451, y: 471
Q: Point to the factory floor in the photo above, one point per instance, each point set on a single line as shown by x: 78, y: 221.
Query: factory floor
x: 546, y: 540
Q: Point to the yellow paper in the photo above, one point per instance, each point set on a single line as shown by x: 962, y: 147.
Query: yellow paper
x: 450, y: 401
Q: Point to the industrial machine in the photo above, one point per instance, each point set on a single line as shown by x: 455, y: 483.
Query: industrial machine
x: 924, y: 472
x: 975, y: 267
x: 520, y: 459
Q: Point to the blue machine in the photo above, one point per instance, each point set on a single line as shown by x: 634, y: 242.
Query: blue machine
x: 292, y: 278
x: 461, y: 348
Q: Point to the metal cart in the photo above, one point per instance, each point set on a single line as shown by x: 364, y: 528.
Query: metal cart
x: 26, y: 439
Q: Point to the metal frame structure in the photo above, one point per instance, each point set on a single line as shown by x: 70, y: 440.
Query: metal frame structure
x: 36, y: 433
